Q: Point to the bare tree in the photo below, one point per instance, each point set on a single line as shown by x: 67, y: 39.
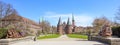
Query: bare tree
x: 98, y: 22
x: 54, y: 29
x: 5, y: 9
x: 45, y: 27
x: 117, y: 16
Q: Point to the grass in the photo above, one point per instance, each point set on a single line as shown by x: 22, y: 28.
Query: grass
x: 48, y: 36
x: 77, y: 36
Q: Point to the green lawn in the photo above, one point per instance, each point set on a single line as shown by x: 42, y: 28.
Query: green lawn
x: 77, y: 36
x: 48, y: 36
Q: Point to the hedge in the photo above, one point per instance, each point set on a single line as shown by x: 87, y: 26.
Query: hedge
x: 3, y: 32
x: 116, y: 31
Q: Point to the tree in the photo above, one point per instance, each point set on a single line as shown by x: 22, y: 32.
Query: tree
x: 3, y: 32
x: 54, y: 29
x: 117, y: 16
x: 5, y: 10
x: 45, y: 27
x: 99, y: 22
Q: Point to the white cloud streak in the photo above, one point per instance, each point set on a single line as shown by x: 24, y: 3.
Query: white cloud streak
x: 80, y: 19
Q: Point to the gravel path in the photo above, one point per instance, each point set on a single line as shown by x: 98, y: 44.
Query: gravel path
x: 62, y: 40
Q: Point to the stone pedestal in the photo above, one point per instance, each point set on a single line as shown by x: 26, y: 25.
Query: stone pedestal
x: 110, y: 41
x: 4, y: 42
x: 10, y: 41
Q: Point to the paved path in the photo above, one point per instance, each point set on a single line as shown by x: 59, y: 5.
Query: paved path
x: 62, y: 40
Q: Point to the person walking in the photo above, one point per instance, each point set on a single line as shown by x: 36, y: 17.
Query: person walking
x: 35, y: 38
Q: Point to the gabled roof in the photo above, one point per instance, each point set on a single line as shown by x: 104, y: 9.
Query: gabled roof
x: 12, y: 18
x: 18, y: 18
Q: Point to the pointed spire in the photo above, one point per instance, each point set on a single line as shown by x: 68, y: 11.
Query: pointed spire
x: 59, y: 22
x: 73, y: 21
x: 72, y: 17
x: 68, y: 22
x: 41, y: 19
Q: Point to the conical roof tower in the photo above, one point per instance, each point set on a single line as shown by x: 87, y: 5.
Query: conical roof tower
x: 59, y: 22
x: 73, y: 21
x: 59, y: 27
x: 68, y: 22
x: 68, y: 27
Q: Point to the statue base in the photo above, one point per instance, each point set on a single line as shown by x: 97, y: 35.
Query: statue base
x: 107, y: 40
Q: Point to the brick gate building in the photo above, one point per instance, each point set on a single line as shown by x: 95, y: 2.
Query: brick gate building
x: 63, y: 28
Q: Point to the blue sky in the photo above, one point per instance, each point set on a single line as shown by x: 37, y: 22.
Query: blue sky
x: 84, y: 11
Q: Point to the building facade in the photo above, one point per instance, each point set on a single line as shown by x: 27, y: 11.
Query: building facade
x: 18, y: 25
x: 63, y: 28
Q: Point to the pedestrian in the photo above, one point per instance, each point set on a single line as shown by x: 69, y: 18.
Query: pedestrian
x: 35, y: 38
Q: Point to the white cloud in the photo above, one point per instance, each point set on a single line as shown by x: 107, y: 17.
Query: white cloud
x: 80, y: 19
x: 83, y: 20
x: 55, y: 15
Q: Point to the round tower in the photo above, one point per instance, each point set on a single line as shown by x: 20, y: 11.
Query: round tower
x: 59, y: 27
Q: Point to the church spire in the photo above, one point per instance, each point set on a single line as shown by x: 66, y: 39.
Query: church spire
x: 41, y: 20
x: 59, y: 26
x: 72, y: 17
x: 59, y: 22
x: 73, y: 21
x: 68, y: 22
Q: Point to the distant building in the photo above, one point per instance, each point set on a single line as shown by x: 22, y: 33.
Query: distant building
x: 20, y: 23
x: 63, y: 28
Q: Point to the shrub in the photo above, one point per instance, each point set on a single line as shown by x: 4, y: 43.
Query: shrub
x: 116, y: 31
x: 3, y: 32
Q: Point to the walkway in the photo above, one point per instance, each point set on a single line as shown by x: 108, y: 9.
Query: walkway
x: 62, y: 40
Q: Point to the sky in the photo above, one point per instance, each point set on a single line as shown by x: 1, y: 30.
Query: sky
x: 84, y: 11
